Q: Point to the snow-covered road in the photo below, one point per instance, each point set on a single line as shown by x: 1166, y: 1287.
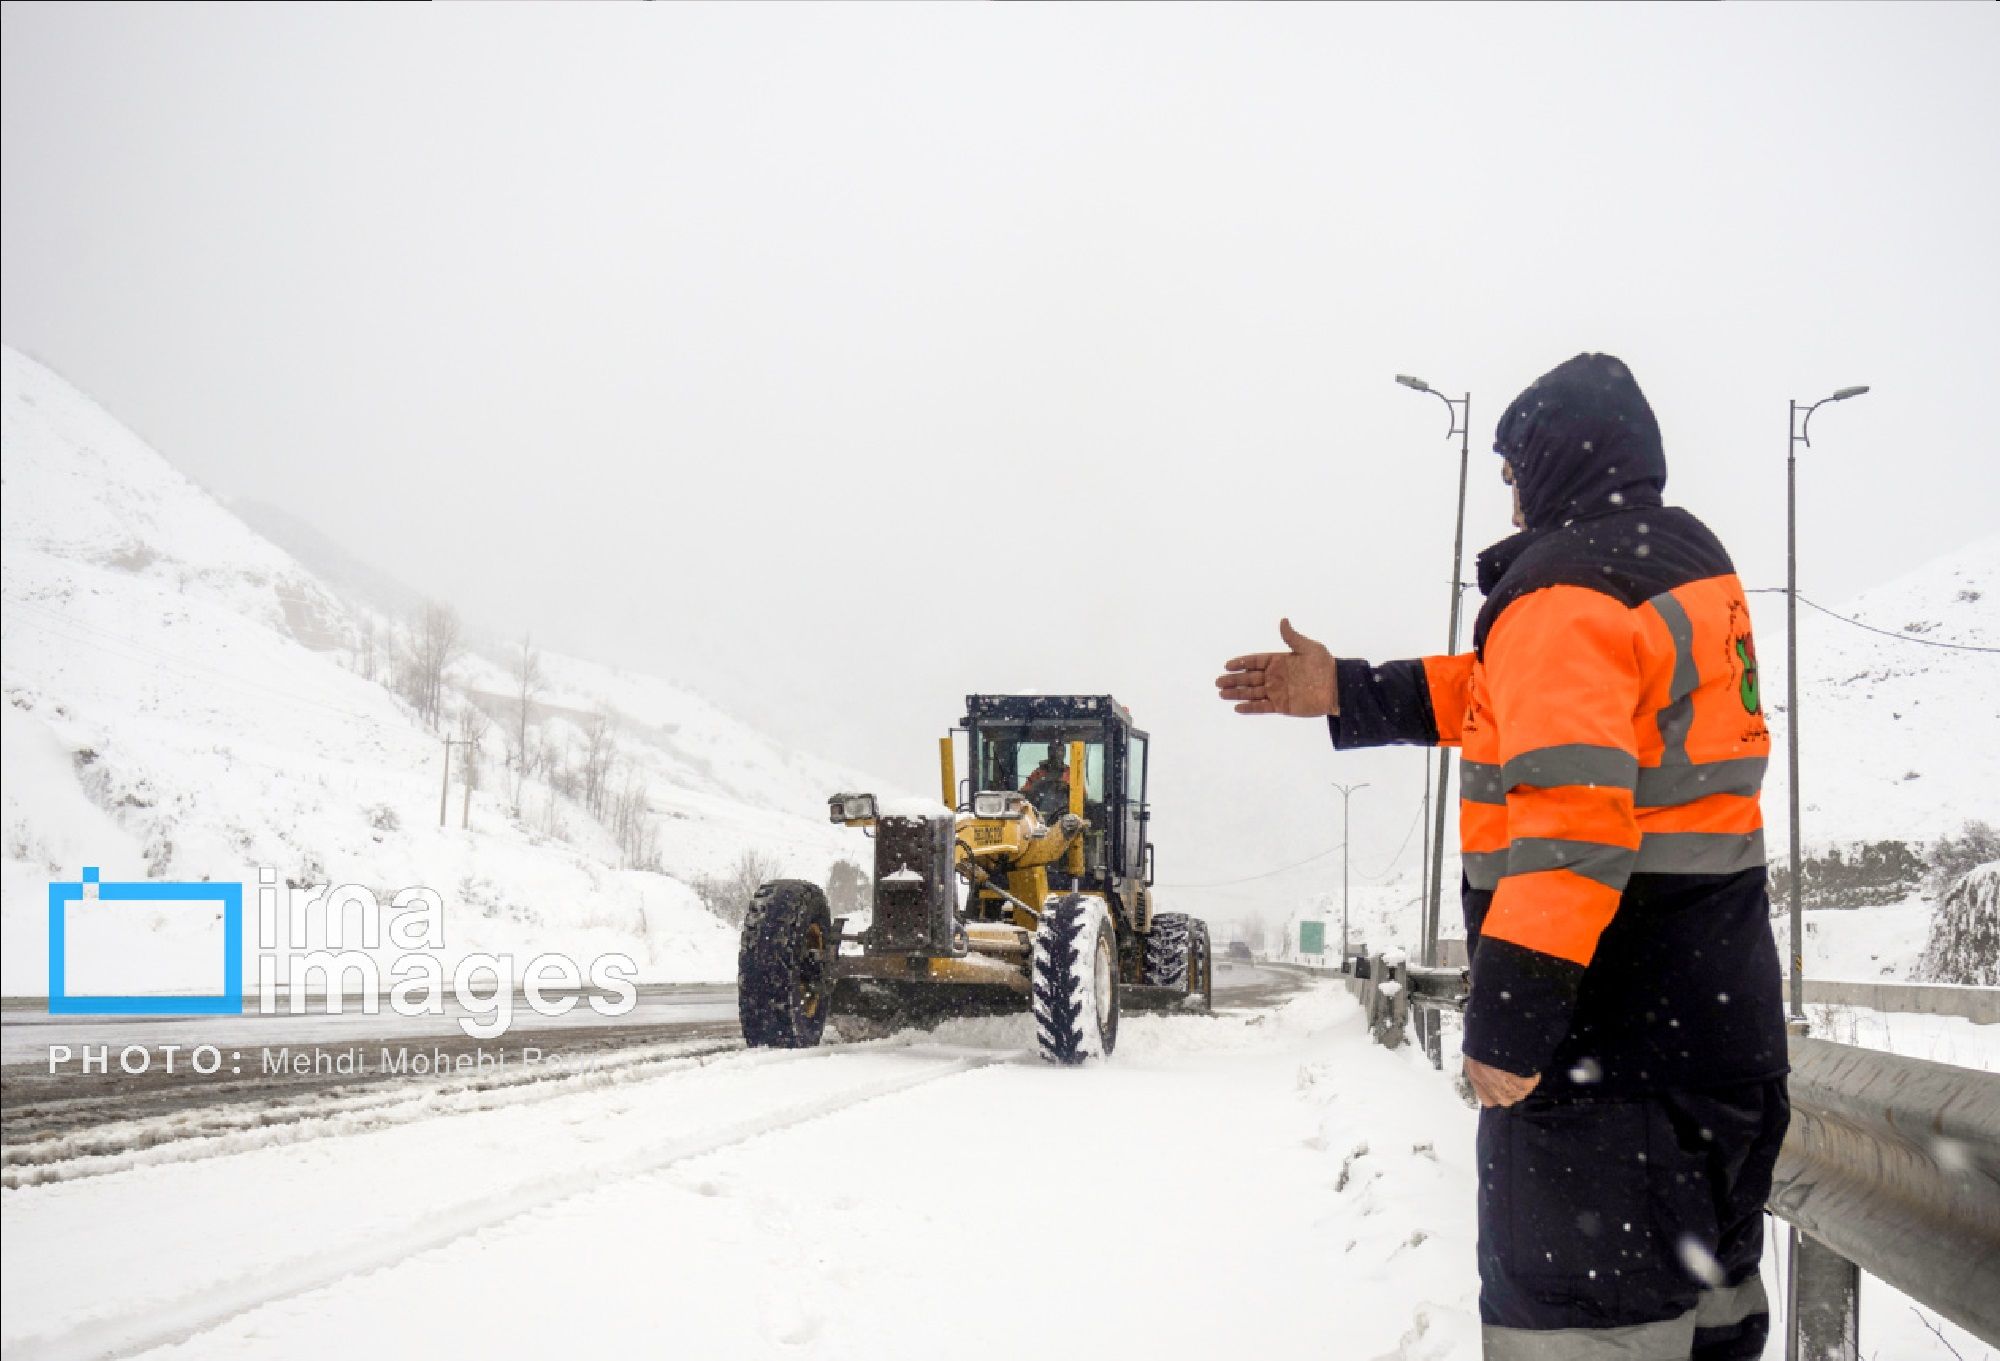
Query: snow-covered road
x: 1261, y: 1182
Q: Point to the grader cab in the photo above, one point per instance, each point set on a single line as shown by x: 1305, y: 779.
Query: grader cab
x: 1028, y: 886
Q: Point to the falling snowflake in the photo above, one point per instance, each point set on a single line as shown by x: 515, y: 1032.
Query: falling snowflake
x: 1700, y: 1262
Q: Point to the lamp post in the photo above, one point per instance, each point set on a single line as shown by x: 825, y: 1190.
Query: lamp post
x: 1424, y: 866
x: 1461, y: 426
x: 1797, y: 427
x: 1346, y: 793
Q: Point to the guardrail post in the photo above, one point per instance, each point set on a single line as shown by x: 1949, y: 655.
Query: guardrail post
x: 1823, y: 1303
x: 1389, y: 1001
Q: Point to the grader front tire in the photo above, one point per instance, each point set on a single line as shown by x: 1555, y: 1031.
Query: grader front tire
x: 784, y: 967
x: 1075, y: 981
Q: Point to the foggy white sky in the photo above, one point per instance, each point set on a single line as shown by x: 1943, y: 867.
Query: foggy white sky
x: 841, y: 360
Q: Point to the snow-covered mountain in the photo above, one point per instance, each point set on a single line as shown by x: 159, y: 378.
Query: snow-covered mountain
x: 183, y: 701
x: 1901, y: 741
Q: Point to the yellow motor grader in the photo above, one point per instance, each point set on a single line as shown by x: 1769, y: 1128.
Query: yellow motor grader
x: 1029, y: 885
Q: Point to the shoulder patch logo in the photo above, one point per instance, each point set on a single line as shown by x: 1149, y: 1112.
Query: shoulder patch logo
x: 1746, y: 658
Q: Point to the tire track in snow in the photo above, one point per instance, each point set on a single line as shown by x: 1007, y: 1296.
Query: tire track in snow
x: 217, y: 1303
x: 216, y: 1132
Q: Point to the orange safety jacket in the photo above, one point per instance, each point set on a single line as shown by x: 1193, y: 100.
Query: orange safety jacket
x: 1612, y: 837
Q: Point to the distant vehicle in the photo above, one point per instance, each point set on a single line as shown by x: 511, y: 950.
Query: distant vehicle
x: 1240, y: 950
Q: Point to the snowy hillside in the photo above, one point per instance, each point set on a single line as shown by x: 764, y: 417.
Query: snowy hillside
x: 182, y: 701
x: 1901, y: 740
x: 1900, y: 744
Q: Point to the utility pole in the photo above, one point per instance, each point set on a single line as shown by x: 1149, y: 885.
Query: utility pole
x: 1797, y: 435
x: 1346, y: 793
x: 1424, y: 865
x: 1461, y: 426
x: 471, y: 774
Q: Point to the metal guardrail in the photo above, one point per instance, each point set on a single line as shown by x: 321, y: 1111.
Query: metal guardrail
x: 1892, y: 1164
x: 1446, y: 987
x: 1981, y: 1006
x: 1386, y: 986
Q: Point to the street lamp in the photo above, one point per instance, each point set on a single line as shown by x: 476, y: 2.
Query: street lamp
x: 1461, y: 426
x: 1346, y: 792
x: 1797, y: 435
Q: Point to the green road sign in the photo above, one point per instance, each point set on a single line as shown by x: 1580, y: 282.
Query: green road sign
x: 1312, y: 938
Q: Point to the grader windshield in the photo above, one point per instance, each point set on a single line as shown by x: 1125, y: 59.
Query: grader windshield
x: 1021, y: 743
x: 1036, y: 763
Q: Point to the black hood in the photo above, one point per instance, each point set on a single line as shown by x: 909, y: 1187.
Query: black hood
x: 1583, y: 442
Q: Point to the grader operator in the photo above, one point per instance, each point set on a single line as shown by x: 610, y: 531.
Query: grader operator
x: 1028, y: 886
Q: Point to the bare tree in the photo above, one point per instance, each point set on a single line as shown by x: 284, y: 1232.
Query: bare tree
x: 598, y: 753
x: 436, y: 641
x: 472, y: 726
x: 553, y: 760
x: 527, y: 687
x: 552, y: 823
x: 728, y: 894
x: 1952, y: 857
x: 632, y: 823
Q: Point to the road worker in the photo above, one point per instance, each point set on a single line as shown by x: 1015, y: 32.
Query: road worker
x: 1047, y: 785
x: 1624, y: 1033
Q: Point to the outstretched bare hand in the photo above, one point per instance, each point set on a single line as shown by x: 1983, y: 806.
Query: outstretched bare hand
x: 1299, y: 682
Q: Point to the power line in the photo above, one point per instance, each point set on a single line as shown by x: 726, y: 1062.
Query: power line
x: 1886, y: 633
x: 1399, y: 850
x: 1267, y: 874
x: 1312, y: 859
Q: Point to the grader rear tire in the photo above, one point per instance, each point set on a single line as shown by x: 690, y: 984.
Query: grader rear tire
x: 1167, y: 950
x: 784, y: 973
x: 1201, y: 966
x: 1075, y: 981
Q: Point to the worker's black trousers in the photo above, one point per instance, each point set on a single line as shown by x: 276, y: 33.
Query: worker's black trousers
x: 1627, y: 1226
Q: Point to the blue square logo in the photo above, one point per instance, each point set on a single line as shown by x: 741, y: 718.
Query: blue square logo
x: 227, y: 1003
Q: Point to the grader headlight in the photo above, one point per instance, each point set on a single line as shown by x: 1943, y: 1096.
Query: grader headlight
x: 998, y: 803
x: 851, y: 808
